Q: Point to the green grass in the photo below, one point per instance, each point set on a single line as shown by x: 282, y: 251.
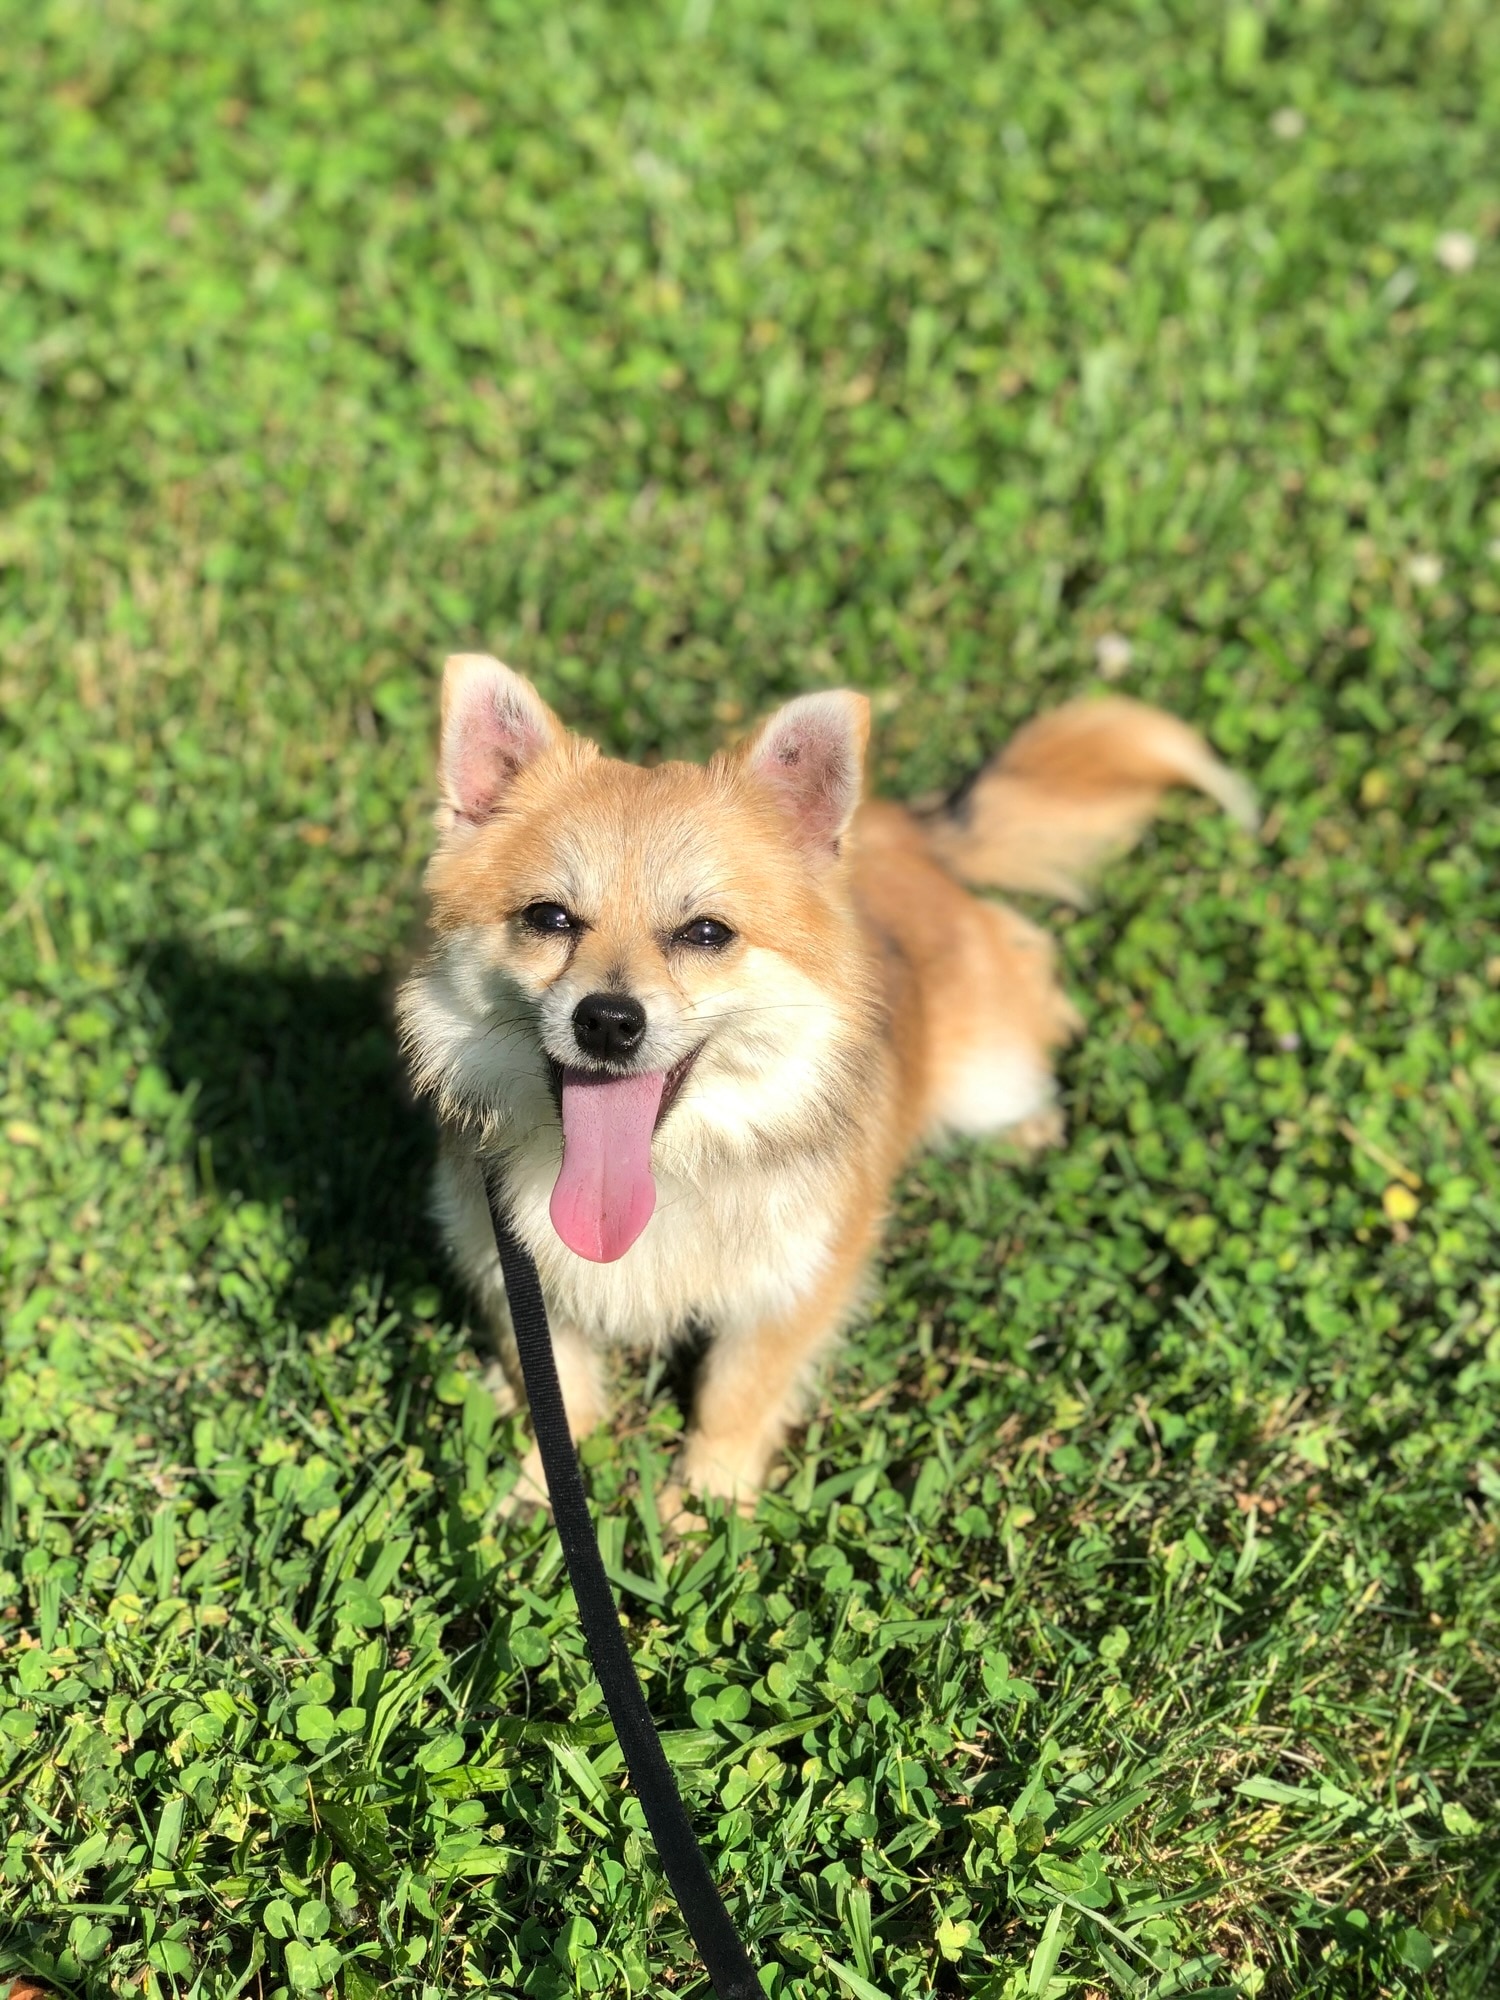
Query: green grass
x: 1127, y: 1623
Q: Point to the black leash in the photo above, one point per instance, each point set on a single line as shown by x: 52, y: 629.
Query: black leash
x: 729, y: 1965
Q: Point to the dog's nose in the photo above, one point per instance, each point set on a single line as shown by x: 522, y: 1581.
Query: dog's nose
x: 608, y: 1025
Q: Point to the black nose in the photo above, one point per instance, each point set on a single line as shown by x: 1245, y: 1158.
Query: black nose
x: 608, y: 1025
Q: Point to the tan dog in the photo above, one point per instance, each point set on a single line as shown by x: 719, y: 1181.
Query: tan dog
x: 693, y: 1019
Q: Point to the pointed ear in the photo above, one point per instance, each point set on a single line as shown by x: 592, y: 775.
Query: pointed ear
x: 810, y: 756
x: 494, y: 725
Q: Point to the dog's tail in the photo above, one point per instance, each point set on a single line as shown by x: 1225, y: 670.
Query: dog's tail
x: 1073, y: 788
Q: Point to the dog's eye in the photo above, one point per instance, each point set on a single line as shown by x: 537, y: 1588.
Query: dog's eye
x: 549, y: 919
x: 707, y: 933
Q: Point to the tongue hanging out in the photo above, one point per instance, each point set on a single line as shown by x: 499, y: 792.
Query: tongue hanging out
x: 605, y: 1194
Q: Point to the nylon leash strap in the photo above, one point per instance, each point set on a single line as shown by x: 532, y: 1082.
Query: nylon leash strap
x: 726, y: 1960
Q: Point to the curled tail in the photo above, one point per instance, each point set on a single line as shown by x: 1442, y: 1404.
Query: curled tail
x: 1073, y: 788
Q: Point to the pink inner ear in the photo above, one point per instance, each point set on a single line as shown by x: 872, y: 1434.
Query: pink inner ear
x: 809, y: 757
x: 489, y: 740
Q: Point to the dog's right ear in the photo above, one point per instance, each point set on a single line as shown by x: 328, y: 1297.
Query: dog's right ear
x: 494, y: 725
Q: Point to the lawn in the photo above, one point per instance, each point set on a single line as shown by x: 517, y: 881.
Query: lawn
x: 1127, y: 1622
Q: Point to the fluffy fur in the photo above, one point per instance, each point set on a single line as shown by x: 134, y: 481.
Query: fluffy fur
x: 865, y: 1002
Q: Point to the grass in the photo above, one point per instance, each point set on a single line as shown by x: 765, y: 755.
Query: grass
x: 1127, y: 1622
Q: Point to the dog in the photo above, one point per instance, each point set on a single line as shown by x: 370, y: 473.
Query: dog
x: 688, y: 1021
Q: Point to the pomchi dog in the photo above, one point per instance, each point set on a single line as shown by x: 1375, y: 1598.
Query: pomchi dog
x: 689, y: 1020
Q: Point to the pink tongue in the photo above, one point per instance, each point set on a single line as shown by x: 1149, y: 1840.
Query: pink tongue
x: 605, y: 1194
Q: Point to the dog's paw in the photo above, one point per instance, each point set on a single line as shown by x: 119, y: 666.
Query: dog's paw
x: 676, y: 1516
x: 530, y: 1489
x: 1042, y: 1129
x: 717, y: 1475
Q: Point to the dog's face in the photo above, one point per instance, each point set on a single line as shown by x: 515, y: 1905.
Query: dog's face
x: 659, y: 960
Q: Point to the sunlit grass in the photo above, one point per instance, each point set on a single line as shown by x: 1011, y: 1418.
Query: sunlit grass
x: 1126, y: 1621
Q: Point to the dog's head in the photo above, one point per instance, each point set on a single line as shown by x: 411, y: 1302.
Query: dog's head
x: 664, y: 961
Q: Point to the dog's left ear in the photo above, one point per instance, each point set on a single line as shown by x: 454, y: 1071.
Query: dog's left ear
x: 810, y: 756
x: 494, y: 725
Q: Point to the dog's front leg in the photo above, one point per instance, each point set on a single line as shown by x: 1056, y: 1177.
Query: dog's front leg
x: 751, y: 1388
x: 582, y: 1379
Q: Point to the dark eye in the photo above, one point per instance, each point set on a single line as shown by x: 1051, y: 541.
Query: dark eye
x: 549, y: 919
x: 707, y: 933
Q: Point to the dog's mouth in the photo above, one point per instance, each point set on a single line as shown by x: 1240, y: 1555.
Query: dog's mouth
x: 605, y: 1193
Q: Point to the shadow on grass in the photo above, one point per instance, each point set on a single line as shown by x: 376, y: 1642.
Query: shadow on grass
x: 300, y: 1099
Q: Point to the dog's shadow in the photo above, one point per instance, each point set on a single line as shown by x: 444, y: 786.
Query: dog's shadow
x: 299, y: 1103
